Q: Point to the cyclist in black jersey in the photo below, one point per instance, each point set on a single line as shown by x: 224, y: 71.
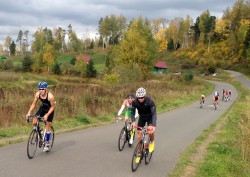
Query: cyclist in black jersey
x: 147, y: 114
x: 46, y: 109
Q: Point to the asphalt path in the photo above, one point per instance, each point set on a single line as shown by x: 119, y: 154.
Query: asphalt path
x: 241, y: 78
x: 93, y: 152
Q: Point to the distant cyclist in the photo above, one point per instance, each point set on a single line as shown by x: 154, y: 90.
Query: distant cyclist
x: 46, y: 109
x: 216, y: 98
x: 127, y: 103
x: 147, y: 114
x: 202, y: 100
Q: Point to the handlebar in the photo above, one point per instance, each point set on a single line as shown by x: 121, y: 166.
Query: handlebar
x: 41, y: 119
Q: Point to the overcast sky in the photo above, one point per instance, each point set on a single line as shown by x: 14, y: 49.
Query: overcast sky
x: 84, y: 15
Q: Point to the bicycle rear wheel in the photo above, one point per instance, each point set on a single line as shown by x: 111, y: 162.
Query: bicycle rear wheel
x: 32, y: 144
x: 137, y: 153
x: 122, y: 139
x: 52, y: 138
x: 148, y: 155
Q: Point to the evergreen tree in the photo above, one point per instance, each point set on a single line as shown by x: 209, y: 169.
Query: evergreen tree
x: 170, y: 46
x: 91, y: 71
x: 57, y: 69
x: 13, y: 48
x: 27, y: 62
x: 91, y: 44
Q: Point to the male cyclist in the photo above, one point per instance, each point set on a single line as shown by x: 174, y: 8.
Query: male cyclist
x: 46, y: 109
x: 128, y: 104
x: 147, y: 114
x: 216, y: 98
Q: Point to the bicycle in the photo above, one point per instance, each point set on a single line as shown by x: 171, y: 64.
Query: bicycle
x: 125, y: 134
x: 201, y: 104
x: 215, y: 105
x: 141, y: 149
x: 38, y: 138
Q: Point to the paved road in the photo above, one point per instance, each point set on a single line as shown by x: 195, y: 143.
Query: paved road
x: 241, y: 78
x: 93, y: 152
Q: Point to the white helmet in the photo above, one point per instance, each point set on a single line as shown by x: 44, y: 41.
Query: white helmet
x: 202, y: 95
x: 141, y: 92
x: 216, y: 93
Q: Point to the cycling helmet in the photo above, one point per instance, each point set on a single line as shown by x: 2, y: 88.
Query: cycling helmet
x: 216, y: 93
x: 42, y: 85
x: 202, y: 95
x: 141, y: 92
x: 130, y: 95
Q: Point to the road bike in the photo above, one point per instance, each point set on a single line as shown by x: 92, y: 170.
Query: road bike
x: 215, y: 105
x: 201, y: 104
x: 141, y: 149
x: 37, y: 137
x: 125, y: 134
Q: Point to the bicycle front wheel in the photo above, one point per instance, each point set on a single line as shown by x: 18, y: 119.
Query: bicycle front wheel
x: 148, y: 155
x: 52, y: 138
x: 32, y: 144
x: 137, y: 156
x: 122, y: 139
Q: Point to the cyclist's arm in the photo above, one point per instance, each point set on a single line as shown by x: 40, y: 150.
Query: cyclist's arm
x: 52, y: 103
x: 133, y: 112
x: 122, y: 108
x: 33, y: 104
x: 153, y: 112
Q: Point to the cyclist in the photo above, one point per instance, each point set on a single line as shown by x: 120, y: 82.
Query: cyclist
x: 223, y: 94
x: 128, y: 104
x: 229, y: 94
x: 216, y: 98
x: 147, y: 114
x: 202, y: 100
x: 46, y: 109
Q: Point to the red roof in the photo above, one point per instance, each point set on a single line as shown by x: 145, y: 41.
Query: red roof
x: 160, y: 64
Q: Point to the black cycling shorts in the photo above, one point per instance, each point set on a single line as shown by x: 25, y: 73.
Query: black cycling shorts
x: 42, y: 111
x: 143, y: 120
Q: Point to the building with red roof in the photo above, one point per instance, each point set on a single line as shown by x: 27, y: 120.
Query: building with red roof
x: 160, y: 67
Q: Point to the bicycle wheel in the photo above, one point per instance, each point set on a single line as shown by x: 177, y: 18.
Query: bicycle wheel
x: 32, y: 144
x: 122, y: 139
x: 52, y: 138
x: 148, y: 155
x: 137, y: 153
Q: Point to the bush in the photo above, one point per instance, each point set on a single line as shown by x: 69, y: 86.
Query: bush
x: 111, y: 78
x: 211, y: 69
x: 188, y: 76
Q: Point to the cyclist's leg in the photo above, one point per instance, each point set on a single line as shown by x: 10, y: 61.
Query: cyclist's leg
x: 151, y: 135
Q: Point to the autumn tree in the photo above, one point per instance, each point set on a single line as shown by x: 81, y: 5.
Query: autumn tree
x: 49, y: 55
x: 7, y: 43
x: 138, y: 46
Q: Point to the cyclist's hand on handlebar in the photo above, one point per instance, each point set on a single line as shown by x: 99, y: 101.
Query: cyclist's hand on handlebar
x: 27, y: 118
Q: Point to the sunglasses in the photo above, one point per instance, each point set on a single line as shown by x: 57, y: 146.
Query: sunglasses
x: 41, y: 89
x: 140, y: 98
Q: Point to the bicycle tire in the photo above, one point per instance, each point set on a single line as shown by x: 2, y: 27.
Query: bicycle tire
x: 148, y: 155
x: 136, y: 152
x: 32, y: 143
x: 122, y: 139
x: 52, y: 138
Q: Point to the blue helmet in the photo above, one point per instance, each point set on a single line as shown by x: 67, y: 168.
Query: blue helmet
x: 42, y: 85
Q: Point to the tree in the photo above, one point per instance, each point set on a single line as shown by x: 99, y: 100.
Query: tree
x: 170, y: 46
x: 27, y: 62
x: 26, y: 40
x: 49, y: 55
x: 7, y: 43
x: 91, y: 71
x: 13, y: 48
x: 138, y: 46
x: 19, y: 39
x: 56, y: 68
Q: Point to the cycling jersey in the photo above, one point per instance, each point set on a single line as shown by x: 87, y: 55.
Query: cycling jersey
x: 146, y: 110
x: 44, y: 108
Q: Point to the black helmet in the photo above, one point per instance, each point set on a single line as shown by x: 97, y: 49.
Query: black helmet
x: 130, y: 95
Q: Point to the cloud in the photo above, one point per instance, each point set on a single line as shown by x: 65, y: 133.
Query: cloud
x: 84, y: 15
